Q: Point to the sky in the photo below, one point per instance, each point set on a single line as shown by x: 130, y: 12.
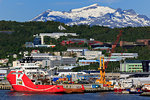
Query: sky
x: 25, y: 10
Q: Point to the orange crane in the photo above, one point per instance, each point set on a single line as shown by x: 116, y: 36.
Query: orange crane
x: 103, y: 66
x: 102, y: 71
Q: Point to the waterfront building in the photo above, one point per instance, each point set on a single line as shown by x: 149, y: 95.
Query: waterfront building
x: 131, y: 66
x: 146, y: 65
x: 3, y: 73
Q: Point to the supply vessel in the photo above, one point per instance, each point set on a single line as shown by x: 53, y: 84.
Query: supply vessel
x: 20, y: 82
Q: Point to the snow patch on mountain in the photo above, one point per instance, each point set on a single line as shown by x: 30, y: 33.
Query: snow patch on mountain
x: 96, y: 15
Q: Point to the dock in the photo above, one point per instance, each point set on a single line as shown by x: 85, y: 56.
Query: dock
x: 89, y: 90
x: 145, y: 94
x: 5, y: 87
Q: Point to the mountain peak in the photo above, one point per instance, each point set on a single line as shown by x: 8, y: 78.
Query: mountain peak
x: 96, y: 15
x: 131, y: 12
x: 96, y: 4
x: 93, y: 6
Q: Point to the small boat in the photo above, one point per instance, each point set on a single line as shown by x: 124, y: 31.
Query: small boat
x: 135, y: 91
x: 20, y: 82
x: 118, y: 89
x: 125, y: 92
x: 146, y: 88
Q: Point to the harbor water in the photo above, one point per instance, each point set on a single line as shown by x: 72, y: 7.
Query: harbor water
x: 9, y: 95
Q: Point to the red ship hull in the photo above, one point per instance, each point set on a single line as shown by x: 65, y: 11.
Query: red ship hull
x: 118, y: 90
x: 146, y: 90
x: 20, y: 82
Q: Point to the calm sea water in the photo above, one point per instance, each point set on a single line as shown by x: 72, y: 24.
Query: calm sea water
x: 8, y: 95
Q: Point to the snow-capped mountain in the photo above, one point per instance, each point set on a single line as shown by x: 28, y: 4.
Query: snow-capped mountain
x: 96, y: 15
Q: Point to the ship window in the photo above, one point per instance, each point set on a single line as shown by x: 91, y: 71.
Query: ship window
x: 19, y: 80
x: 58, y: 88
x: 16, y: 73
x: 33, y: 80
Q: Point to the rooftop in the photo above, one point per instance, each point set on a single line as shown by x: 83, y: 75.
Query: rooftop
x: 133, y: 61
x: 77, y: 48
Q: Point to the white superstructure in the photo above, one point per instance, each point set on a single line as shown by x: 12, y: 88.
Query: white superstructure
x: 29, y: 68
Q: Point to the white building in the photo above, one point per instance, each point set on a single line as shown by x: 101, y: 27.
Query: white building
x: 125, y: 55
x: 14, y: 55
x: 92, y: 54
x: 45, y: 55
x: 4, y: 61
x: 55, y: 35
x: 77, y: 49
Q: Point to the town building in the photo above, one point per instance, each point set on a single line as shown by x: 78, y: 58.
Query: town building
x: 68, y: 61
x: 146, y: 65
x: 29, y: 45
x: 106, y: 59
x: 54, y: 35
x: 87, y: 62
x: 3, y: 74
x: 81, y: 41
x: 74, y: 41
x: 14, y: 55
x: 45, y: 56
x: 46, y: 60
x: 35, y: 51
x: 125, y: 55
x: 37, y: 40
x: 92, y: 54
x: 112, y: 58
x: 131, y: 66
x: 77, y: 50
x: 4, y: 61
x: 144, y: 41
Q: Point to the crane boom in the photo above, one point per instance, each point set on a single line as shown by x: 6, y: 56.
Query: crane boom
x: 103, y: 66
x: 114, y: 46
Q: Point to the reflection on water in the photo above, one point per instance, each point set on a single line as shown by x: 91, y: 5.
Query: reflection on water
x: 12, y: 93
x: 9, y: 95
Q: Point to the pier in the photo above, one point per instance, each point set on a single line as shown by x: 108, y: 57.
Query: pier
x: 5, y: 87
x: 145, y: 94
x: 90, y: 90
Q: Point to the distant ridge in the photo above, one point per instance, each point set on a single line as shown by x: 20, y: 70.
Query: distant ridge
x: 96, y: 15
